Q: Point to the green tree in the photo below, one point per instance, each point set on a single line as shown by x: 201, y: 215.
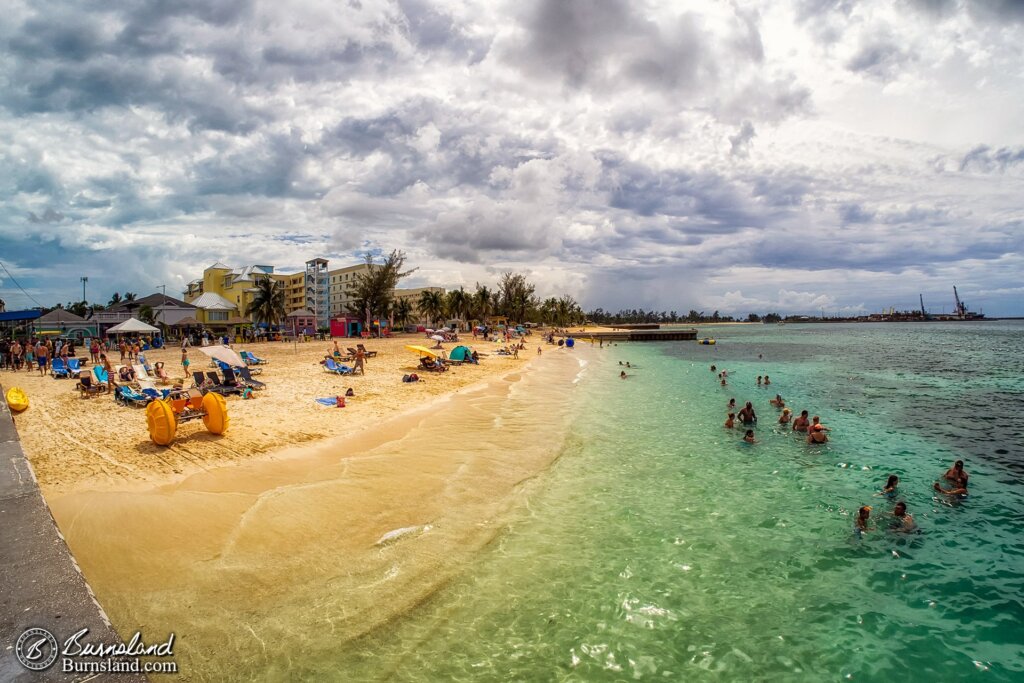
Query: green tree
x: 268, y: 303
x: 372, y: 291
x: 431, y: 305
x: 402, y: 312
x: 482, y: 302
x: 753, y: 318
x: 515, y: 296
x: 146, y: 314
x: 115, y: 299
x: 458, y: 303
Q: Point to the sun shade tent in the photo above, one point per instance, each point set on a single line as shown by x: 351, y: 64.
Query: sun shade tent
x: 461, y: 353
x: 422, y: 350
x: 224, y: 355
x: 132, y: 326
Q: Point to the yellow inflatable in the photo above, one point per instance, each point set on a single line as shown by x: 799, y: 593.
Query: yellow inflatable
x: 17, y: 399
x: 162, y: 422
x: 216, y: 409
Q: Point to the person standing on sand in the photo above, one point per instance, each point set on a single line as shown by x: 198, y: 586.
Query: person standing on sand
x: 184, y: 361
x: 360, y: 362
x: 41, y: 358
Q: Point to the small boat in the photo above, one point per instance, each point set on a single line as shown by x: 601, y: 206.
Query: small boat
x: 706, y: 341
x: 17, y: 400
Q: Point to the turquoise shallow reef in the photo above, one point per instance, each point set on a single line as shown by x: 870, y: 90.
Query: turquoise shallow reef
x: 659, y: 546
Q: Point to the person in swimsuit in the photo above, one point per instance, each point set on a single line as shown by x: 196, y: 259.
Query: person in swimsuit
x: 778, y: 402
x: 747, y: 415
x: 954, y: 490
x: 730, y: 421
x: 784, y: 418
x: 766, y: 380
x: 863, y: 516
x: 749, y: 436
x: 732, y: 405
x: 801, y: 423
x: 622, y: 375
x: 903, y: 520
x: 957, y: 475
x: 816, y: 435
x: 891, y: 487
x: 759, y: 380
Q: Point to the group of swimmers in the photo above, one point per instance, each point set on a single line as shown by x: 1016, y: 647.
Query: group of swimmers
x: 817, y: 434
x: 902, y: 519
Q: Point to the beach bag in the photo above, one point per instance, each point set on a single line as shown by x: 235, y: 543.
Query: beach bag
x: 340, y: 402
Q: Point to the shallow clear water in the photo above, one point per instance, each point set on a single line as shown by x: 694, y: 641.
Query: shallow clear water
x: 660, y: 546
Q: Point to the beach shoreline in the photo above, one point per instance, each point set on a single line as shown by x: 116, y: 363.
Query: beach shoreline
x: 394, y: 511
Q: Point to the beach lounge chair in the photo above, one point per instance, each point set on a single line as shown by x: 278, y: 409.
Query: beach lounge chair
x: 224, y: 366
x: 155, y: 393
x: 101, y: 375
x: 199, y: 380
x: 74, y: 366
x: 250, y: 358
x: 58, y: 369
x: 127, y: 396
x: 219, y: 387
x: 88, y: 387
x: 429, y: 365
x: 333, y: 368
x: 245, y: 376
x: 369, y: 354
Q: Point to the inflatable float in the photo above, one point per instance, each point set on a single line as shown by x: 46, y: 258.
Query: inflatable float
x: 706, y: 341
x: 17, y: 400
x: 163, y: 416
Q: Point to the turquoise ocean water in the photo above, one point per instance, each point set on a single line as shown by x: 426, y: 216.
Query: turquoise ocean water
x: 659, y: 547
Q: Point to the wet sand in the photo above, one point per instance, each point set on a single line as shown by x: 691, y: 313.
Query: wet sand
x: 257, y: 561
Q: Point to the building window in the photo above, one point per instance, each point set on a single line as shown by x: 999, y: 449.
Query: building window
x: 216, y: 315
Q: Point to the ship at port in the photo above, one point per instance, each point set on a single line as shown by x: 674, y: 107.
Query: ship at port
x: 960, y: 310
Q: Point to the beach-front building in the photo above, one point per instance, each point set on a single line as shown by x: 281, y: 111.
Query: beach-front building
x: 301, y: 321
x: 167, y: 311
x: 60, y: 322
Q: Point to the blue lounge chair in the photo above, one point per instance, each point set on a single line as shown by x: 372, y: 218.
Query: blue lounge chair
x: 58, y: 369
x: 334, y: 368
x: 127, y: 396
x: 74, y: 365
x: 224, y: 367
x: 101, y: 375
x: 250, y: 358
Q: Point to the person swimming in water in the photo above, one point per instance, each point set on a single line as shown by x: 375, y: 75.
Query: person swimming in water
x: 732, y: 405
x: 903, y: 520
x: 954, y: 490
x: 957, y: 475
x: 747, y: 415
x: 891, y: 487
x: 713, y: 368
x: 623, y: 375
x: 759, y: 380
x: 724, y: 383
x: 784, y: 418
x: 749, y: 436
x: 801, y: 423
x: 863, y: 517
x: 730, y: 421
x: 777, y: 401
x: 817, y: 435
x: 766, y: 380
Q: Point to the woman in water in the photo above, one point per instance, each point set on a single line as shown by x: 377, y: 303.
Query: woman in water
x: 784, y: 418
x: 891, y: 487
x: 777, y: 401
x: 816, y: 435
x: 730, y: 421
x: 863, y: 515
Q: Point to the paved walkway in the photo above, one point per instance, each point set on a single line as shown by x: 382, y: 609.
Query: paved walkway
x: 40, y: 584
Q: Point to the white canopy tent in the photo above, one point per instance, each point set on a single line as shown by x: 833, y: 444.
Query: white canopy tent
x: 132, y: 326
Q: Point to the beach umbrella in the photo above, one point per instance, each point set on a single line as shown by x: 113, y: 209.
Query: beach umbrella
x: 437, y: 337
x: 224, y: 355
x: 422, y: 350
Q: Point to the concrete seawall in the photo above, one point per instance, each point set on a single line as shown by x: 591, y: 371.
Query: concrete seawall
x: 40, y: 583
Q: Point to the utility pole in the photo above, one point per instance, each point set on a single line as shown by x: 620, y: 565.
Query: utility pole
x: 163, y: 309
x: 84, y: 279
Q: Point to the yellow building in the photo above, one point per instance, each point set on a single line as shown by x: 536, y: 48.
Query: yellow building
x: 223, y: 294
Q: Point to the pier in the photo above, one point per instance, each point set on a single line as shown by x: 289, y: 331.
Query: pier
x: 638, y: 335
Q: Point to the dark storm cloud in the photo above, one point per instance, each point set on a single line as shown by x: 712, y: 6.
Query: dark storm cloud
x: 987, y: 160
x: 712, y: 204
x: 778, y: 189
x: 433, y: 29
x: 607, y: 42
x: 879, y: 59
x: 269, y: 167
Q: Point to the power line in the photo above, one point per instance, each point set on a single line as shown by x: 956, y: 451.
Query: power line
x: 19, y: 286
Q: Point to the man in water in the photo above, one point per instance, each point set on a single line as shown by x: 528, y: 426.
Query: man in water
x: 816, y: 435
x: 749, y: 436
x: 747, y: 415
x: 954, y: 490
x: 904, y: 521
x: 622, y: 375
x: 801, y: 423
x: 957, y: 475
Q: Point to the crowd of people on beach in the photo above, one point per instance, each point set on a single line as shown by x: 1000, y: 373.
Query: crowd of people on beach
x: 817, y: 434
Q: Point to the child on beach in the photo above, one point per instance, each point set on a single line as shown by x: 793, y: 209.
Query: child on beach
x: 184, y: 361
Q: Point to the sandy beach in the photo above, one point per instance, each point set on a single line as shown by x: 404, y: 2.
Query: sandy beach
x: 84, y: 444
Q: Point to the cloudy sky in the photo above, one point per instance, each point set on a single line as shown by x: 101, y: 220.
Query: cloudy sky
x: 792, y: 155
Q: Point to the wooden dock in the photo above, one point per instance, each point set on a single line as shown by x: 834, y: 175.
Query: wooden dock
x: 637, y: 335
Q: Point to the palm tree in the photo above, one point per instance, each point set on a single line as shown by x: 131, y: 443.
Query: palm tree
x: 482, y: 302
x: 146, y: 314
x: 402, y: 312
x: 267, y: 305
x: 459, y: 302
x: 431, y: 305
x: 116, y: 299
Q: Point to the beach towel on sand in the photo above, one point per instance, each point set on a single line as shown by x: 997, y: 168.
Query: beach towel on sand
x: 332, y: 401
